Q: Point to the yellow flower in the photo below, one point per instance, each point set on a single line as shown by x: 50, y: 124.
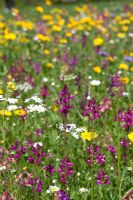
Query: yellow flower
x: 23, y: 39
x: 98, y: 41
x: 26, y: 25
x: 56, y: 28
x: 123, y: 66
x: 2, y: 25
x: 43, y: 38
x: 39, y: 9
x: 97, y: 69
x: 130, y: 136
x: 5, y: 113
x: 24, y: 168
x: 131, y: 54
x: 121, y: 35
x: 11, y: 86
x: 1, y: 91
x: 49, y: 65
x: 15, y: 12
x: 54, y: 108
x: 10, y: 36
x: 88, y: 135
x: 131, y: 69
x: 63, y: 41
x: 46, y: 51
x: 48, y: 2
x: 68, y: 34
x: 125, y: 28
x: 20, y: 112
x: 125, y: 80
x: 111, y: 59
x: 47, y: 17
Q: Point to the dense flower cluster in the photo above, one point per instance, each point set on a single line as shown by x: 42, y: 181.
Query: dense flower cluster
x: 64, y: 101
x: 66, y: 88
x: 65, y: 169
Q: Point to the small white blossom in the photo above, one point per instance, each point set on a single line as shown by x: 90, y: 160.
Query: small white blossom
x: 38, y: 143
x: 12, y: 107
x: 45, y: 79
x: 53, y: 189
x: 12, y: 100
x: 2, y: 98
x: 37, y: 99
x: 82, y: 190
x: 36, y: 108
x: 130, y: 34
x: 25, y: 87
x: 95, y: 82
x: 125, y: 94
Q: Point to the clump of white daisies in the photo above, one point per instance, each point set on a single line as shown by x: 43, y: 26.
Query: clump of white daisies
x: 37, y: 106
x: 72, y: 129
x: 32, y: 104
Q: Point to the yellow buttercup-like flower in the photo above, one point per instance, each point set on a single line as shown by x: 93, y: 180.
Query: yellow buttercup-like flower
x: 43, y: 38
x: 123, y: 66
x: 56, y: 28
x: 54, y: 108
x: 46, y: 51
x: 121, y: 35
x: 39, y: 9
x: 88, y: 135
x: 48, y: 2
x: 63, y: 41
x: 10, y: 36
x: 1, y: 91
x: 97, y: 69
x: 98, y: 41
x: 125, y: 80
x: 5, y: 113
x: 20, y: 112
x: 130, y: 136
x: 49, y: 65
x: 11, y: 86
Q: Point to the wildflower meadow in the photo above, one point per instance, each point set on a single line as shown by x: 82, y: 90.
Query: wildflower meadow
x: 66, y: 100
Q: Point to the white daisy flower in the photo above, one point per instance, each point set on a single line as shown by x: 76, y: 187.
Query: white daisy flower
x: 53, y: 189
x: 95, y: 82
x: 82, y: 190
x: 12, y: 100
x: 12, y: 107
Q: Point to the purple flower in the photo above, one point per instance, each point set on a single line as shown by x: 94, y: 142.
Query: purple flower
x: 62, y: 195
x: 65, y: 169
x: 102, y: 178
x: 78, y: 81
x: 41, y: 27
x: 44, y: 92
x: 31, y: 159
x: 95, y: 155
x: 103, y: 53
x: 125, y: 143
x: 84, y: 39
x: 73, y: 61
x: 37, y: 67
x: 112, y: 149
x: 50, y: 169
x: 126, y: 118
x: 116, y: 85
x: 36, y: 183
x: 64, y: 101
x: 128, y: 58
x: 38, y: 131
x: 92, y: 110
x: 100, y: 159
